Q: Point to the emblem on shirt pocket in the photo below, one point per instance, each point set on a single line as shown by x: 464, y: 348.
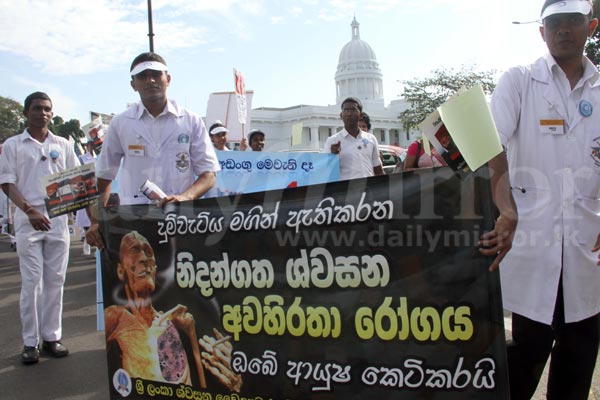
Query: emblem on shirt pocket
x: 183, y: 138
x: 183, y: 162
x: 596, y: 152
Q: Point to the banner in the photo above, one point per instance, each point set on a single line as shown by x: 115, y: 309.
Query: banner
x: 364, y: 289
x: 70, y: 190
x: 240, y: 94
x: 222, y: 106
x: 257, y: 171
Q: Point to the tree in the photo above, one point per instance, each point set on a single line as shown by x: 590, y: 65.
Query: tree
x: 424, y: 95
x: 592, y: 47
x: 12, y: 120
x: 71, y: 128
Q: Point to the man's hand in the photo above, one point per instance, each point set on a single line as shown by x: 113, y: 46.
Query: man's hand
x: 243, y: 144
x: 175, y: 198
x: 336, y: 147
x: 38, y: 221
x: 596, y: 248
x: 216, y: 358
x: 92, y: 236
x: 499, y: 240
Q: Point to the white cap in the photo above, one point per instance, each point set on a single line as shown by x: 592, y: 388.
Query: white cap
x: 153, y: 65
x: 568, y: 7
x: 218, y: 129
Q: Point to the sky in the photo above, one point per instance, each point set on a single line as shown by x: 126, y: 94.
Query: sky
x: 79, y: 52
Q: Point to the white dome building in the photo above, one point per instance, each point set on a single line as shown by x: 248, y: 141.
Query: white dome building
x: 358, y: 72
x: 358, y: 75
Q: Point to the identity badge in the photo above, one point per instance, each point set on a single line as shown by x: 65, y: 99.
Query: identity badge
x: 552, y: 126
x: 136, y: 150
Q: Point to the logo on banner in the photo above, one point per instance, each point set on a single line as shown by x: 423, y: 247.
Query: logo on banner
x: 122, y: 382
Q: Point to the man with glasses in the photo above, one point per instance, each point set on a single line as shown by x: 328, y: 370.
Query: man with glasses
x: 548, y: 117
x: 42, y: 245
x: 358, y: 150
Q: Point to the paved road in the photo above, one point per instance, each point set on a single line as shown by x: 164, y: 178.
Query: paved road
x: 82, y: 375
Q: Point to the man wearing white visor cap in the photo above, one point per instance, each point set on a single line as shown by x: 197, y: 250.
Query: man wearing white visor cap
x: 548, y: 118
x: 154, y: 140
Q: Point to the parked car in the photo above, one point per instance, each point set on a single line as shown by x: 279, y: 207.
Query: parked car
x: 390, y: 155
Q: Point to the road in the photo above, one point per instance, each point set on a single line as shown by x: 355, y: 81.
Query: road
x: 82, y: 375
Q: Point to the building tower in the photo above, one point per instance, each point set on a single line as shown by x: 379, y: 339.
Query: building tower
x: 358, y: 72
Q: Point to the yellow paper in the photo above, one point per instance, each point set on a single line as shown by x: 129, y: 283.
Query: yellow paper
x: 469, y: 121
x: 297, y: 134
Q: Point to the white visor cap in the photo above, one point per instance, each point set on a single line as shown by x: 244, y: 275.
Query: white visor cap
x: 153, y: 65
x: 568, y: 7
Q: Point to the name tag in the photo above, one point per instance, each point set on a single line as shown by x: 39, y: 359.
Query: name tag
x: 552, y: 126
x: 136, y: 150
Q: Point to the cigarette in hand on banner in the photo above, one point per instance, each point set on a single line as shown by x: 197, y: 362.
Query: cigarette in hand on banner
x: 222, y: 340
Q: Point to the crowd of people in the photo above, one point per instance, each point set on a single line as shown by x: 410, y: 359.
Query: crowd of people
x: 552, y: 290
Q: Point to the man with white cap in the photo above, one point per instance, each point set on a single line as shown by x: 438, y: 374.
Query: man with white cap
x: 548, y: 118
x: 154, y: 140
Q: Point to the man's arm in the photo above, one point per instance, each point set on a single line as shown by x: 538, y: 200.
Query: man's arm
x: 205, y: 181
x: 596, y: 248
x: 499, y: 240
x: 378, y: 170
x: 38, y: 221
x: 92, y: 236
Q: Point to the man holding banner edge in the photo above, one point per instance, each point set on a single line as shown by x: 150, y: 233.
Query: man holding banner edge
x: 157, y: 140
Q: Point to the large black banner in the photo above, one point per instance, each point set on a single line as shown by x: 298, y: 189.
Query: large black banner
x: 370, y: 288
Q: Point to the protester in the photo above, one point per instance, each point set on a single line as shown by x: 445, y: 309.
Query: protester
x: 358, y: 150
x: 218, y: 136
x: 547, y: 117
x: 364, y: 122
x: 153, y: 140
x: 257, y: 140
x: 82, y: 220
x: 137, y: 324
x: 417, y: 158
x: 42, y: 245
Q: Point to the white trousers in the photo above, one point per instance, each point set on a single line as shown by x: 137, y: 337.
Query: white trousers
x: 43, y: 259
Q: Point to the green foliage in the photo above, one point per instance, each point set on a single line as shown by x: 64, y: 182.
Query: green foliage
x: 70, y: 128
x: 424, y: 95
x: 592, y: 47
x: 12, y: 120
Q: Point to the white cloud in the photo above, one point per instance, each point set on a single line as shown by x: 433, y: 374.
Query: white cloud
x: 296, y: 11
x: 217, y: 50
x: 276, y: 20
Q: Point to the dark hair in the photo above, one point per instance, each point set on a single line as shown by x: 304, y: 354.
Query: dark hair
x: 33, y: 96
x: 365, y: 117
x: 254, y: 132
x: 148, y: 56
x: 550, y: 2
x: 213, y: 126
x: 352, y: 100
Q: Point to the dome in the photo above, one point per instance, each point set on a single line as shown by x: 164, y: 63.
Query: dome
x: 358, y: 74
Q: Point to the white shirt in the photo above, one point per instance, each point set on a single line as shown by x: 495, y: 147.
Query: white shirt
x: 358, y: 156
x: 182, y: 152
x: 25, y: 162
x: 555, y: 175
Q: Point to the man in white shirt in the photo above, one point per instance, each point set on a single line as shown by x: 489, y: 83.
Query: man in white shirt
x: 548, y: 118
x: 358, y: 150
x: 42, y: 245
x: 155, y: 140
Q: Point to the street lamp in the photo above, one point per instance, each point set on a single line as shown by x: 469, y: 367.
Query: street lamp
x: 150, y: 32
